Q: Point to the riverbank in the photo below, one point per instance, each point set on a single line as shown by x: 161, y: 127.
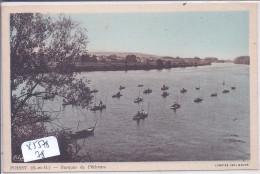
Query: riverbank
x: 81, y: 67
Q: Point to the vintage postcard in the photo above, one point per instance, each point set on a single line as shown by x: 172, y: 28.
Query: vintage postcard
x: 129, y: 86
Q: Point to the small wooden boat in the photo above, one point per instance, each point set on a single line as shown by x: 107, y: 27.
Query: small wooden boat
x: 121, y: 87
x: 165, y: 94
x: 140, y: 115
x: 147, y: 91
x: 199, y: 99
x: 175, y: 106
x: 197, y: 88
x: 138, y: 100
x: 164, y: 88
x: 117, y: 95
x: 98, y: 107
x: 214, y: 95
x: 233, y: 87
x: 225, y: 91
x: 84, y: 133
x: 140, y: 85
x: 94, y: 91
x: 183, y: 90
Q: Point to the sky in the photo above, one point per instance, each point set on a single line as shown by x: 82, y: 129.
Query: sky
x: 224, y: 35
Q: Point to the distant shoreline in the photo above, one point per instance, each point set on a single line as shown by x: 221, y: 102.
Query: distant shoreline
x: 124, y: 62
x: 105, y: 67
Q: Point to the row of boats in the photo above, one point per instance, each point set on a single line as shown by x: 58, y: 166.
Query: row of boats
x: 176, y: 105
x: 140, y: 114
x: 143, y: 114
x: 165, y: 93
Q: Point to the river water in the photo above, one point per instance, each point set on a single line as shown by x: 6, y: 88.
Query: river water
x: 215, y: 129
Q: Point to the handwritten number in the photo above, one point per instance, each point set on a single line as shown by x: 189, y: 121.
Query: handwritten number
x: 29, y: 146
x: 43, y: 143
x: 40, y: 155
x: 34, y: 144
x: 39, y: 143
x: 46, y: 144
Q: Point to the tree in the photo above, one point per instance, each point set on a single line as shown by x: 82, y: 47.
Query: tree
x: 112, y: 57
x: 131, y: 58
x: 93, y: 59
x: 242, y: 60
x: 168, y: 64
x: 43, y: 53
x: 85, y: 58
x: 159, y: 63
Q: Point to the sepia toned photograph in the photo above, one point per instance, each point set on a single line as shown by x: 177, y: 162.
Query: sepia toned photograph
x: 168, y: 86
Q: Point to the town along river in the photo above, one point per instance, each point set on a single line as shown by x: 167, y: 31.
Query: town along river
x: 215, y: 129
